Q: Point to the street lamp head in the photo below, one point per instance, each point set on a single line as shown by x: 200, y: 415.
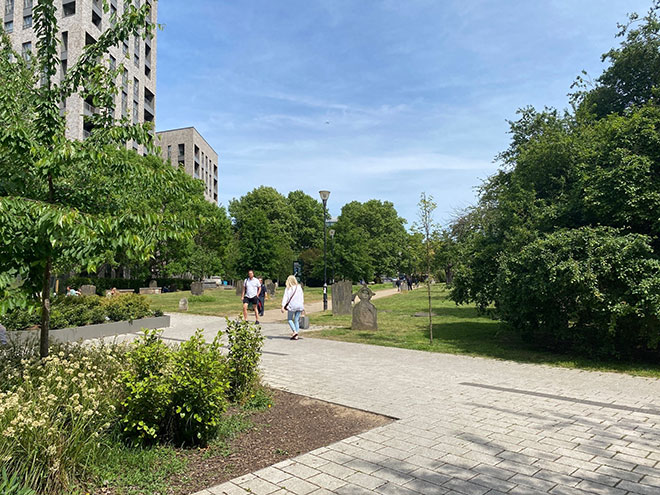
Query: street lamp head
x: 324, y: 195
x: 332, y: 233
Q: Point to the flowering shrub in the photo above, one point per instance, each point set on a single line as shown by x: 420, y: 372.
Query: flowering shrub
x: 245, y: 344
x: 174, y: 394
x: 52, y: 421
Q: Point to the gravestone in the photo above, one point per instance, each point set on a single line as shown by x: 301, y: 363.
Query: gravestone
x: 88, y: 290
x: 270, y: 287
x: 239, y: 287
x: 365, y: 314
x: 197, y: 288
x: 3, y: 335
x: 153, y: 284
x: 183, y: 304
x: 342, y: 298
x: 404, y: 286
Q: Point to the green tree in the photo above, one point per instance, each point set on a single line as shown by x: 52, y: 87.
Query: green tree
x: 64, y: 203
x: 307, y: 226
x: 369, y: 238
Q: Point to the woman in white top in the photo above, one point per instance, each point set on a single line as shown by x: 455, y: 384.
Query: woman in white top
x: 293, y: 301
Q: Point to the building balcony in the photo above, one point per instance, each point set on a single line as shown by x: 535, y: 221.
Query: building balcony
x: 89, y: 109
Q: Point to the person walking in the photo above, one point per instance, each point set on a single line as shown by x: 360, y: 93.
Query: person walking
x: 398, y: 285
x: 263, y: 295
x: 293, y: 301
x: 251, y: 291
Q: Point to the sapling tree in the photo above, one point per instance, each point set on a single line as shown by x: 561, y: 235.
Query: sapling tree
x: 67, y: 204
x: 428, y: 228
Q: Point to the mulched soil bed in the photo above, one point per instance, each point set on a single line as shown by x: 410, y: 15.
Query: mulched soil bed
x: 293, y: 426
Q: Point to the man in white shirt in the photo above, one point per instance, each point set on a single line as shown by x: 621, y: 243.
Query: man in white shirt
x: 251, y: 291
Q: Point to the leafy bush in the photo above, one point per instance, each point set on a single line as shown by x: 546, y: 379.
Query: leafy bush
x: 146, y: 408
x: 53, y: 418
x: 127, y: 307
x: 592, y: 290
x: 174, y: 394
x: 20, y: 319
x: 245, y: 345
x: 200, y: 386
x: 11, y: 485
x: 259, y: 400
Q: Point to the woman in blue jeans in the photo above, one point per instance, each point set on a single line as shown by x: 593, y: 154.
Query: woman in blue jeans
x: 293, y: 301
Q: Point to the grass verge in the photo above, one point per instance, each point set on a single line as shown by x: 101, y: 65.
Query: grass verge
x: 457, y: 330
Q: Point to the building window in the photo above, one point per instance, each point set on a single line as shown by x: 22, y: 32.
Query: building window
x: 113, y: 63
x: 27, y: 21
x: 9, y: 26
x: 169, y: 153
x: 9, y: 8
x: 124, y: 48
x: 136, y: 89
x: 26, y: 50
x: 27, y: 4
x: 124, y: 104
x: 68, y: 8
x: 136, y: 52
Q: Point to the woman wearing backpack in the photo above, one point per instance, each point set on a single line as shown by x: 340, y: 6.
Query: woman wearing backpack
x: 293, y: 301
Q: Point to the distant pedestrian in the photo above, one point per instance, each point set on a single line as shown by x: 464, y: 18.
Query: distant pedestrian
x: 70, y: 291
x: 398, y: 285
x: 293, y: 301
x: 251, y: 291
x: 409, y: 282
x: 263, y: 295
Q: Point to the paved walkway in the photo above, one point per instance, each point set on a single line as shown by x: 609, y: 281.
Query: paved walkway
x: 467, y: 426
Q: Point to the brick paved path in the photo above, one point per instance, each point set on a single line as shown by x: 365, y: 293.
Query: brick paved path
x: 466, y: 425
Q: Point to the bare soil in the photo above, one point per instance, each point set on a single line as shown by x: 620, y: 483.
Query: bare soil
x: 293, y: 426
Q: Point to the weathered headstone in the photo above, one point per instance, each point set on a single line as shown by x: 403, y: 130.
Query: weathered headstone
x: 153, y: 284
x: 342, y: 297
x: 197, y: 288
x: 270, y: 287
x: 239, y: 287
x: 3, y: 335
x: 88, y: 290
x: 183, y: 304
x: 404, y: 286
x: 365, y: 314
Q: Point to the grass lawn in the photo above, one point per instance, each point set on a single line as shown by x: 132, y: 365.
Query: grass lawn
x: 456, y: 330
x: 221, y: 302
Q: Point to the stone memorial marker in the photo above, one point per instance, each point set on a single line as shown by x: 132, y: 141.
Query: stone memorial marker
x: 183, y: 304
x: 404, y: 286
x: 239, y: 288
x: 3, y: 335
x: 270, y: 287
x: 342, y: 298
x: 153, y: 284
x: 365, y: 314
x: 197, y: 288
x: 88, y: 290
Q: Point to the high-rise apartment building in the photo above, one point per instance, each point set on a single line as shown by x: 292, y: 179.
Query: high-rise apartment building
x: 80, y: 23
x: 188, y: 149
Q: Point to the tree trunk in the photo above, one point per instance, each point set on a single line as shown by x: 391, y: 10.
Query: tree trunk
x: 45, y: 310
x: 428, y: 284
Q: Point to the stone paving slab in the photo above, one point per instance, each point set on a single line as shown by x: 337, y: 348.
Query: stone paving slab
x: 466, y: 426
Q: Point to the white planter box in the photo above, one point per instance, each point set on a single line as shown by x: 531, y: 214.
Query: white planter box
x: 90, y: 332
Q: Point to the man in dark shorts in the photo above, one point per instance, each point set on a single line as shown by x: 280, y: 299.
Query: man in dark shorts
x: 251, y: 292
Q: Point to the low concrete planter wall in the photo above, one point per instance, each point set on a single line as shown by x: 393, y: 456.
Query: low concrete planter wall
x: 94, y: 331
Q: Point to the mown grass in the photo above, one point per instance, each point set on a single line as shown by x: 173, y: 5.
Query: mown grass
x: 457, y: 330
x: 224, y: 302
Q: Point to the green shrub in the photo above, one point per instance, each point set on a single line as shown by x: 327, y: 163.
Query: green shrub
x: 245, y: 345
x: 594, y: 291
x: 11, y: 485
x: 53, y: 419
x: 259, y: 400
x: 20, y: 319
x: 127, y: 307
x: 146, y: 408
x: 174, y: 394
x: 200, y: 386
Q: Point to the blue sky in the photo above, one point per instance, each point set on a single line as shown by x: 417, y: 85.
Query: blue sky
x: 371, y: 98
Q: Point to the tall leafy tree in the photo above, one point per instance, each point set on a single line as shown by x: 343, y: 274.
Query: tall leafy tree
x: 64, y: 203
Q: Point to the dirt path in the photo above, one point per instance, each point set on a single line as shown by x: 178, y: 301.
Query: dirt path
x: 276, y: 315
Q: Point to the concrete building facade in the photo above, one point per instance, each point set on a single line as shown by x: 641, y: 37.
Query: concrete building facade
x: 80, y: 23
x: 187, y: 148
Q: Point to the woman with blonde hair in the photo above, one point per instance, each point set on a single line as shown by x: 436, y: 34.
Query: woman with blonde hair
x: 293, y: 301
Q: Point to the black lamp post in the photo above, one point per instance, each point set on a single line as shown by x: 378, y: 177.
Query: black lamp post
x: 332, y: 238
x: 324, y: 197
